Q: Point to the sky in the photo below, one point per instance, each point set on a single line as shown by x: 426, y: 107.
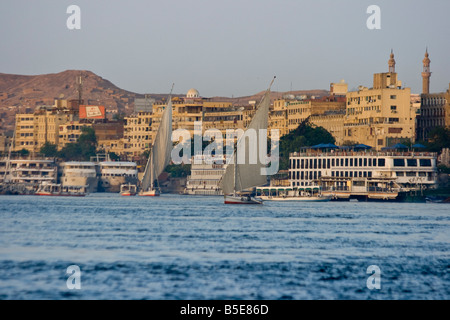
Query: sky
x: 228, y: 47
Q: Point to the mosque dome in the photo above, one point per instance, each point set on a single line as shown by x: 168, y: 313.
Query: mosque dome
x: 193, y: 93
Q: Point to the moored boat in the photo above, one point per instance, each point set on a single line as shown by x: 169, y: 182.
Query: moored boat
x: 236, y: 199
x: 58, y: 190
x: 305, y: 194
x: 128, y: 190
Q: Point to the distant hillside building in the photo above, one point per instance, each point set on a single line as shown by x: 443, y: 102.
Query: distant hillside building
x: 144, y: 104
x: 3, y: 144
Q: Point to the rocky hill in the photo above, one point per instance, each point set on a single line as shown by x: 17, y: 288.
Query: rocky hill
x: 30, y: 91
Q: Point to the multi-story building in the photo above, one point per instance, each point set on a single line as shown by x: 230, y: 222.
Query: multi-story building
x: 61, y: 124
x: 70, y: 132
x: 137, y: 134
x: 380, y: 116
x: 327, y: 112
x: 25, y: 132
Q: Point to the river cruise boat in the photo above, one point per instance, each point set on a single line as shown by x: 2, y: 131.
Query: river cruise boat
x: 305, y: 194
x: 80, y: 174
x: 364, y: 174
x: 205, y: 178
x: 115, y: 173
x: 28, y: 171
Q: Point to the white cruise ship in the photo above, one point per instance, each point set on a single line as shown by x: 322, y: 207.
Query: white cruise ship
x: 114, y: 174
x: 29, y: 172
x: 204, y: 179
x: 346, y: 173
x: 80, y: 174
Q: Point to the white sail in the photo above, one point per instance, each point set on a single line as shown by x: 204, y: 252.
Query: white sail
x: 161, y: 150
x: 248, y: 174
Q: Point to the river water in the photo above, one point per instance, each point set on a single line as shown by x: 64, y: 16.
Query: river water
x: 196, y: 248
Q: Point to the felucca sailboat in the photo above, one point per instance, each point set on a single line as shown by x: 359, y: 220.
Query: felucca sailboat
x: 160, y: 154
x: 241, y: 176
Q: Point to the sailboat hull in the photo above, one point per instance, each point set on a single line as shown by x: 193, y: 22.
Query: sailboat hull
x: 150, y: 193
x: 241, y: 200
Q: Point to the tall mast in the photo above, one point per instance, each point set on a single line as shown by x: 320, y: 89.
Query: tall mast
x: 234, y: 174
x: 151, y: 170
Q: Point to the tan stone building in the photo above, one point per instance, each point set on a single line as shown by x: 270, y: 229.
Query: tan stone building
x: 137, y: 134
x: 380, y: 116
x: 328, y: 113
x: 70, y: 132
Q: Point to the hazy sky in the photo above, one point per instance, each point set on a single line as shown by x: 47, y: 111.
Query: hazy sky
x: 228, y: 47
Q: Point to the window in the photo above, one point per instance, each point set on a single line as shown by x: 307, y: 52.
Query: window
x: 399, y: 162
x: 393, y: 97
x: 400, y: 174
x: 412, y: 162
x: 382, y: 162
x: 425, y: 162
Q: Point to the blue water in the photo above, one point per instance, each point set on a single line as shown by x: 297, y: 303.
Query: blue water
x: 188, y: 247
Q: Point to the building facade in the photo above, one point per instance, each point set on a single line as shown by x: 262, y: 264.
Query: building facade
x: 380, y: 116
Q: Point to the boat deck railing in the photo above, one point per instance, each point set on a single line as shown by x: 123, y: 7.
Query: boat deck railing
x: 362, y: 154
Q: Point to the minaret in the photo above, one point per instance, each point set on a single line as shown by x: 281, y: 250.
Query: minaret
x: 426, y: 74
x: 392, y: 63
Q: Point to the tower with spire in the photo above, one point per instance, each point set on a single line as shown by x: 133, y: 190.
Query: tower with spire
x: 392, y: 62
x: 387, y: 79
x: 426, y: 74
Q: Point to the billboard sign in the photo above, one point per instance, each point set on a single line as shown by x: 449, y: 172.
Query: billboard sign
x: 92, y: 112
